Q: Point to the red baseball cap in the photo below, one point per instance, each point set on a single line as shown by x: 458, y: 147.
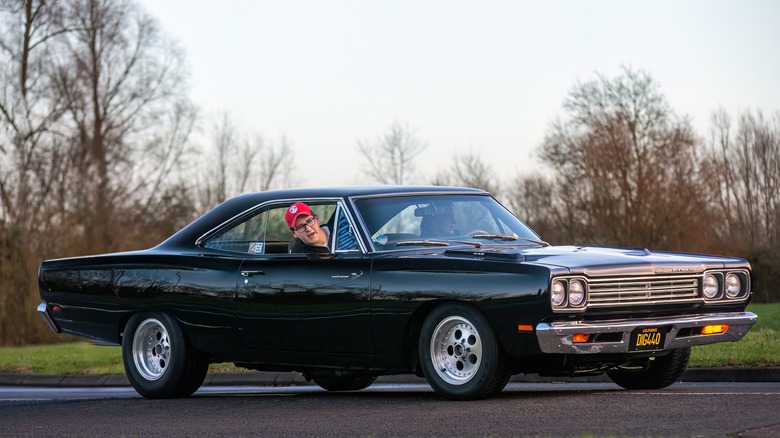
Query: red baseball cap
x: 296, y: 210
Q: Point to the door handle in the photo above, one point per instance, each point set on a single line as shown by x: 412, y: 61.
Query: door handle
x: 251, y: 273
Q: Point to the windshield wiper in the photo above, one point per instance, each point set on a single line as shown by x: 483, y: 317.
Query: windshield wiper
x: 422, y: 242
x: 508, y: 237
x: 494, y: 236
x: 538, y: 242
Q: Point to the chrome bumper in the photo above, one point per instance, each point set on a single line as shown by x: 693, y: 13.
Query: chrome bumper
x: 557, y: 337
x: 44, y: 311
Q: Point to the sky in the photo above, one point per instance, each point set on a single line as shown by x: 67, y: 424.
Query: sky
x: 484, y: 77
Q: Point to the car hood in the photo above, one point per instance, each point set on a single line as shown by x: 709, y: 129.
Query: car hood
x: 600, y: 261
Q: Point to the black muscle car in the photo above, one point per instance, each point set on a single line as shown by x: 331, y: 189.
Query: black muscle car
x: 441, y: 282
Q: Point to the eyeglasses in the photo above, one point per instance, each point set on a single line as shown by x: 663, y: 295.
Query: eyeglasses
x: 309, y: 223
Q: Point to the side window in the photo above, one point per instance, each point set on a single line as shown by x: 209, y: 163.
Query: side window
x: 278, y: 228
x: 278, y: 231
x: 267, y: 232
x: 345, y: 239
x: 246, y: 237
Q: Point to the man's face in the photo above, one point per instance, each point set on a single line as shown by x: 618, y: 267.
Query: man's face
x: 307, y: 228
x: 444, y: 224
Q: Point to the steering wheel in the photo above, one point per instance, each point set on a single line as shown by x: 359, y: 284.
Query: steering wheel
x: 476, y: 232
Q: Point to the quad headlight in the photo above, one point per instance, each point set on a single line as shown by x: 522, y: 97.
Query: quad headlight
x: 725, y: 285
x: 568, y: 294
x: 576, y: 293
x: 733, y: 285
x: 710, y: 286
x: 557, y: 293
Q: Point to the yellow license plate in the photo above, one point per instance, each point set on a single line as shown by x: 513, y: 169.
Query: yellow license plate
x: 647, y: 338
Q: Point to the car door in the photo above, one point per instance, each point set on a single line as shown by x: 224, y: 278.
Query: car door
x: 305, y: 303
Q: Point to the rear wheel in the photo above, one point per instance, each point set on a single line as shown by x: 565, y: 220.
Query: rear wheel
x: 657, y: 373
x: 159, y: 362
x: 460, y: 355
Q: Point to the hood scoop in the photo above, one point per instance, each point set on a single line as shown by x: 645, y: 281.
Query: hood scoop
x: 486, y: 254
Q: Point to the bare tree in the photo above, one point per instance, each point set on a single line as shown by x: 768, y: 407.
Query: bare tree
x: 469, y: 170
x: 243, y: 163
x: 391, y: 157
x: 624, y: 167
x: 120, y: 77
x: 31, y: 165
x: 85, y: 87
x: 29, y: 162
x: 532, y: 200
x: 744, y: 171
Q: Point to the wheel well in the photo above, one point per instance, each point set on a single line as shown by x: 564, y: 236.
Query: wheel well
x: 126, y: 317
x: 121, y: 327
x: 414, y: 326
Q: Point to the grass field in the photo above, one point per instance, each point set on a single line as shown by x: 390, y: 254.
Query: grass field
x: 759, y: 348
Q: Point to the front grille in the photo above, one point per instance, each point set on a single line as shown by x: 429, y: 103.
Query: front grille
x: 645, y: 290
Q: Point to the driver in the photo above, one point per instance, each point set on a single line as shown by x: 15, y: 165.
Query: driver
x: 439, y: 224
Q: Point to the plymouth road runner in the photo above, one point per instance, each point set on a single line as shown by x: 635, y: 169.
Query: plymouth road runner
x: 466, y: 305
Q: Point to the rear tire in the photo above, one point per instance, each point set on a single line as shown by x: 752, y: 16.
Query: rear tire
x: 159, y: 362
x: 659, y: 372
x: 460, y: 355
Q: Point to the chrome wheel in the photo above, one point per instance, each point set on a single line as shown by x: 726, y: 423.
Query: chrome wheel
x: 456, y: 350
x: 151, y: 349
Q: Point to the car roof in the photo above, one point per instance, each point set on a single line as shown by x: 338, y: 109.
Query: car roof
x: 236, y: 205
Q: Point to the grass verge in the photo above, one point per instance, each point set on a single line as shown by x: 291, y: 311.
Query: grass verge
x: 759, y: 348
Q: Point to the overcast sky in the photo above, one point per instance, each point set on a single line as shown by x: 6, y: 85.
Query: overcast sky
x: 481, y: 76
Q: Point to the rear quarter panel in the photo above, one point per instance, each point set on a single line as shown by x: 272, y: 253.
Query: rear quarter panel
x: 98, y: 294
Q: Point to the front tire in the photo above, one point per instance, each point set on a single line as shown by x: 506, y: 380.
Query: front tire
x: 158, y: 360
x: 658, y: 373
x: 460, y: 355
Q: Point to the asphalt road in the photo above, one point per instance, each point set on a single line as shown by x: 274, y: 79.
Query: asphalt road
x: 523, y: 409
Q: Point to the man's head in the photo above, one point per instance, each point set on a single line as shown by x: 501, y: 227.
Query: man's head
x: 305, y: 225
x: 440, y: 224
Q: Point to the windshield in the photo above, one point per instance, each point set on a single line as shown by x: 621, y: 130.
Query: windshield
x: 428, y: 220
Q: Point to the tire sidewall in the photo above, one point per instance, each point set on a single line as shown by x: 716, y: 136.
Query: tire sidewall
x: 166, y: 384
x: 662, y: 373
x: 478, y: 385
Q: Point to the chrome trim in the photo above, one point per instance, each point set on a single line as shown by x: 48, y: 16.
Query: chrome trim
x: 341, y: 208
x: 603, y: 292
x: 721, y: 274
x: 250, y: 211
x: 652, y: 290
x: 43, y: 309
x: 556, y: 337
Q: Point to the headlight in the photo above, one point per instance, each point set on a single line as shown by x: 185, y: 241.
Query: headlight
x: 557, y: 293
x: 733, y: 285
x: 576, y: 293
x: 710, y: 286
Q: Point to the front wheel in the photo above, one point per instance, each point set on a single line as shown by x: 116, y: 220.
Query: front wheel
x: 657, y: 373
x: 159, y: 362
x: 460, y: 355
